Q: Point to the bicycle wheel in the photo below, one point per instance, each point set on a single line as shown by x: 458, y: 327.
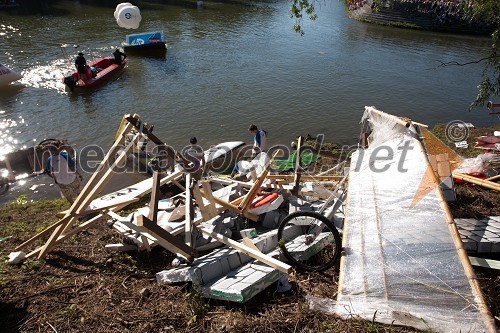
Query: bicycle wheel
x: 309, y: 241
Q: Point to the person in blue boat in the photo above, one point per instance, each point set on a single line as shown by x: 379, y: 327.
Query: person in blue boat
x: 81, y: 66
x: 119, y: 56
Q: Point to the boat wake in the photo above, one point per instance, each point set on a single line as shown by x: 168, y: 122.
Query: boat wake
x: 46, y: 76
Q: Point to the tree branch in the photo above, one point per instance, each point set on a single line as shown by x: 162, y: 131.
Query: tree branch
x: 456, y: 63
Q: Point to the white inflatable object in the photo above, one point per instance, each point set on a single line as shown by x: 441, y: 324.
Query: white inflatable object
x: 7, y: 76
x: 120, y: 6
x: 128, y: 17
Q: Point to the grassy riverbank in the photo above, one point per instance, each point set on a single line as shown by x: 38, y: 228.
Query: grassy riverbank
x: 82, y: 288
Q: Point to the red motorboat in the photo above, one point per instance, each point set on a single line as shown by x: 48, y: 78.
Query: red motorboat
x: 98, y: 71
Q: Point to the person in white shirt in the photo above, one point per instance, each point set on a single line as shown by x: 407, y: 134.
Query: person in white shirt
x: 259, y: 140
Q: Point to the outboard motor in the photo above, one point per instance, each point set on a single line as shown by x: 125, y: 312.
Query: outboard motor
x: 70, y: 82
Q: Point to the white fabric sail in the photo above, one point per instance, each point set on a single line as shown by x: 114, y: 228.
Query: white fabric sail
x: 403, y: 264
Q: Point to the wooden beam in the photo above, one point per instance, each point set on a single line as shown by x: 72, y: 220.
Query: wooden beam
x: 248, y: 242
x: 81, y: 200
x: 101, y: 169
x: 234, y: 208
x: 268, y: 260
x: 155, y: 195
x: 166, y: 239
x: 298, y: 167
x: 176, y: 183
x: 305, y: 178
x: 188, y: 237
x: 104, y: 177
x: 482, y: 182
x: 51, y: 241
x: 245, y: 204
x: 493, y: 178
x: 138, y: 124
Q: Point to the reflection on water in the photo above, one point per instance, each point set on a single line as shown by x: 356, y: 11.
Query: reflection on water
x: 46, y: 76
x: 229, y: 65
x: 9, y: 130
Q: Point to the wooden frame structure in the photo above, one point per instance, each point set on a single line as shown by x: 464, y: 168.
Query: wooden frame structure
x: 116, y: 156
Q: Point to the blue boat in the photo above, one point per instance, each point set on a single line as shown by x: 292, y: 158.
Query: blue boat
x: 146, y: 42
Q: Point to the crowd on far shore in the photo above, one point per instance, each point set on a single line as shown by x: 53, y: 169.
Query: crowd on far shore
x: 443, y: 12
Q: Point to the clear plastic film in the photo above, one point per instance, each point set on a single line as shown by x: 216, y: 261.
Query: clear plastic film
x: 400, y: 264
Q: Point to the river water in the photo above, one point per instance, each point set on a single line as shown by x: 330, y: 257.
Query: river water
x: 229, y: 65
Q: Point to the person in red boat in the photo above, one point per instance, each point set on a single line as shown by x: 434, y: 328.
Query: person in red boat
x: 119, y: 56
x: 81, y: 66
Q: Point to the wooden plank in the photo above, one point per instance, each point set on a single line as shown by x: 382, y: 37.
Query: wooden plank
x: 210, y: 196
x: 268, y: 260
x: 41, y: 234
x: 442, y: 157
x: 205, y: 213
x: 119, y: 247
x: 335, y: 168
x: 234, y: 208
x: 488, y: 263
x: 166, y: 239
x: 75, y: 230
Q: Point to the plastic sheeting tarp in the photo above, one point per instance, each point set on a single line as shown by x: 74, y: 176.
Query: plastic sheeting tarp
x: 400, y: 264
